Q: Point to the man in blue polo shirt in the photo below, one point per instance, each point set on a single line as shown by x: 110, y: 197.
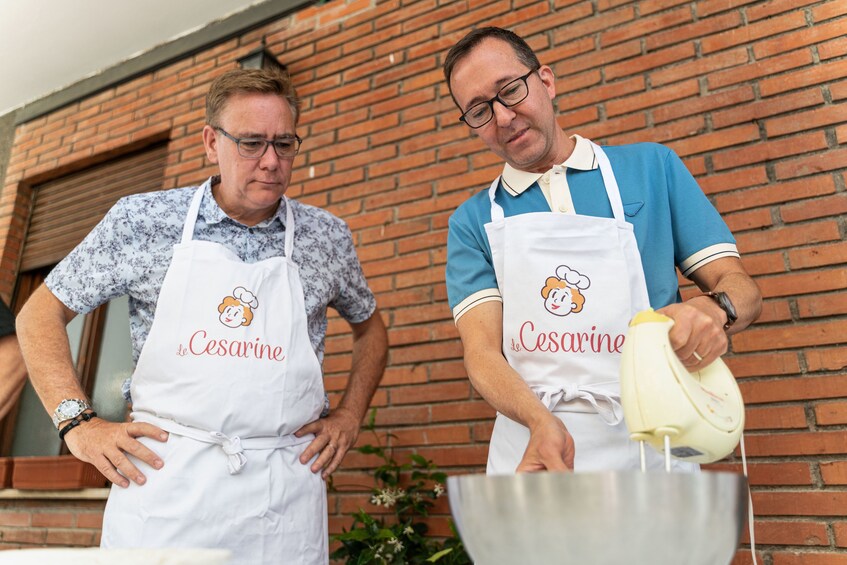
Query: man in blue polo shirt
x: 547, y: 266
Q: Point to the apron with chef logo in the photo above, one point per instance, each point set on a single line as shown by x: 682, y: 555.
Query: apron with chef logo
x: 570, y: 284
x: 229, y: 371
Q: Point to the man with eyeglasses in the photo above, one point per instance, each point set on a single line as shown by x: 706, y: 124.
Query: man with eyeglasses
x: 230, y: 438
x: 546, y: 267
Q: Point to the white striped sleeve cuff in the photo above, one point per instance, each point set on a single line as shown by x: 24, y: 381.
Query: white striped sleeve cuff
x: 707, y: 255
x: 475, y: 299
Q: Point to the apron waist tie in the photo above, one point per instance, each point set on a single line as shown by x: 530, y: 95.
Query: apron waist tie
x: 232, y: 446
x: 607, y: 404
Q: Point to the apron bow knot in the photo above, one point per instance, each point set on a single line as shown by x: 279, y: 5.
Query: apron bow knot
x: 234, y: 451
x: 607, y: 404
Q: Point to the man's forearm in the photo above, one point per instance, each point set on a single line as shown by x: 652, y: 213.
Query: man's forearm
x: 370, y: 353
x: 43, y: 338
x: 504, y: 389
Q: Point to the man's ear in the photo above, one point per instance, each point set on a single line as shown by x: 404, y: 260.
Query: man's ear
x: 210, y: 142
x: 548, y: 79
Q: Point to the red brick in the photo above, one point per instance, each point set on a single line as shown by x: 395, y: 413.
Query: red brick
x: 774, y: 194
x: 819, y: 306
x: 699, y: 67
x: 819, y: 255
x: 775, y: 418
x: 803, y: 282
x: 555, y: 20
x: 759, y: 69
x: 601, y: 93
x: 764, y: 263
x: 53, y: 519
x: 588, y: 26
x: 395, y: 230
x: 832, y: 49
x: 599, y: 130
x: 788, y: 237
x: 751, y: 219
x: 792, y: 389
x: 809, y: 559
x: 431, y: 435
x: 652, y: 98
x: 644, y: 27
x: 770, y: 474
x: 800, y: 503
x: 798, y: 39
x: 785, y: 532
x: 732, y: 180
x: 813, y: 119
x: 831, y: 413
x: 716, y: 140
x: 835, y: 205
x: 702, y: 28
x: 770, y: 150
x: 421, y: 394
x: 752, y: 32
x: 8, y: 518
x: 810, y: 334
x: 831, y: 359
x: 765, y: 108
x: 811, y: 164
x: 817, y: 74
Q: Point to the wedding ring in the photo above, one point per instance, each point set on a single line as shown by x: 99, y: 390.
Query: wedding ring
x: 697, y: 356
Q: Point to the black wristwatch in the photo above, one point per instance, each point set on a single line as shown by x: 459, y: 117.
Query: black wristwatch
x: 722, y: 300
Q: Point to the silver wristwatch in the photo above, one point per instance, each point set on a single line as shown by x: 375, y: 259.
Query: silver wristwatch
x: 68, y: 409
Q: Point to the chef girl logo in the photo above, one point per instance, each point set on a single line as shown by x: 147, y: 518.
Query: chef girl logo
x: 563, y: 293
x: 237, y: 310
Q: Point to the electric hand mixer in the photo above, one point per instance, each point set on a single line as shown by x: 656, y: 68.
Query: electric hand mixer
x: 696, y: 417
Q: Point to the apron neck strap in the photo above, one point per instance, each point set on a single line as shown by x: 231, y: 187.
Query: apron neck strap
x: 194, y: 210
x: 191, y: 215
x: 289, y: 227
x: 496, y: 210
x: 611, y: 184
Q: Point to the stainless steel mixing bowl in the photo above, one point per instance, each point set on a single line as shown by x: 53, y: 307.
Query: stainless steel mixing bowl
x: 621, y: 518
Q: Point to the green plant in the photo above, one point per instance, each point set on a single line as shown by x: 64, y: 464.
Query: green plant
x: 398, y: 537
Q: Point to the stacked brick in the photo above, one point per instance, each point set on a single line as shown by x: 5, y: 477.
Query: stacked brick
x: 751, y: 94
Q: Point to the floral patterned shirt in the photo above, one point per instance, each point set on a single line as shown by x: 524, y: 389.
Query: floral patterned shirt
x: 130, y: 251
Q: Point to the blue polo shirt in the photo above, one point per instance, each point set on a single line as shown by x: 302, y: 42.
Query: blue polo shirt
x: 675, y: 224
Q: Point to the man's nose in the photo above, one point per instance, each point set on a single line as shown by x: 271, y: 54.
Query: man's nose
x: 269, y: 159
x: 502, y: 113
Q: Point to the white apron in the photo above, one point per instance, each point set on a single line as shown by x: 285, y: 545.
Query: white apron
x: 229, y: 371
x: 570, y: 284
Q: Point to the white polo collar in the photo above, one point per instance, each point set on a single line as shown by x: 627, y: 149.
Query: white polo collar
x: 582, y: 158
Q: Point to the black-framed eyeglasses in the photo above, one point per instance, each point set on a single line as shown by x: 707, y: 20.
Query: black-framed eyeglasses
x: 254, y: 147
x: 512, y: 93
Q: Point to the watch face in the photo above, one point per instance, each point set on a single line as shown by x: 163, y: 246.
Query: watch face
x: 70, y: 408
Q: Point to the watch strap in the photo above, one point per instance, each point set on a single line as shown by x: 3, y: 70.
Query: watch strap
x: 725, y: 304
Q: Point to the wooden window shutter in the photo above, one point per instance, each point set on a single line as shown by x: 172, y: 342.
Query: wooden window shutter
x: 67, y: 208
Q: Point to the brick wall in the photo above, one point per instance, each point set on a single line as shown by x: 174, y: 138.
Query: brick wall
x: 749, y: 93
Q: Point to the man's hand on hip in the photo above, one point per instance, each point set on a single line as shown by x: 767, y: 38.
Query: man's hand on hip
x: 550, y: 448
x: 106, y: 446
x: 334, y: 435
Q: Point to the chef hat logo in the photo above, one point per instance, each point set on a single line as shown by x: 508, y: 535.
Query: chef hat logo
x: 237, y: 309
x: 562, y: 293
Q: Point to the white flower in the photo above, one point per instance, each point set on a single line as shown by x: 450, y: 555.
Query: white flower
x: 388, y: 497
x: 438, y: 489
x: 408, y: 530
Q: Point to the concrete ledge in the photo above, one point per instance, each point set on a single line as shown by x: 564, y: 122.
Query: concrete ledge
x: 81, y: 494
